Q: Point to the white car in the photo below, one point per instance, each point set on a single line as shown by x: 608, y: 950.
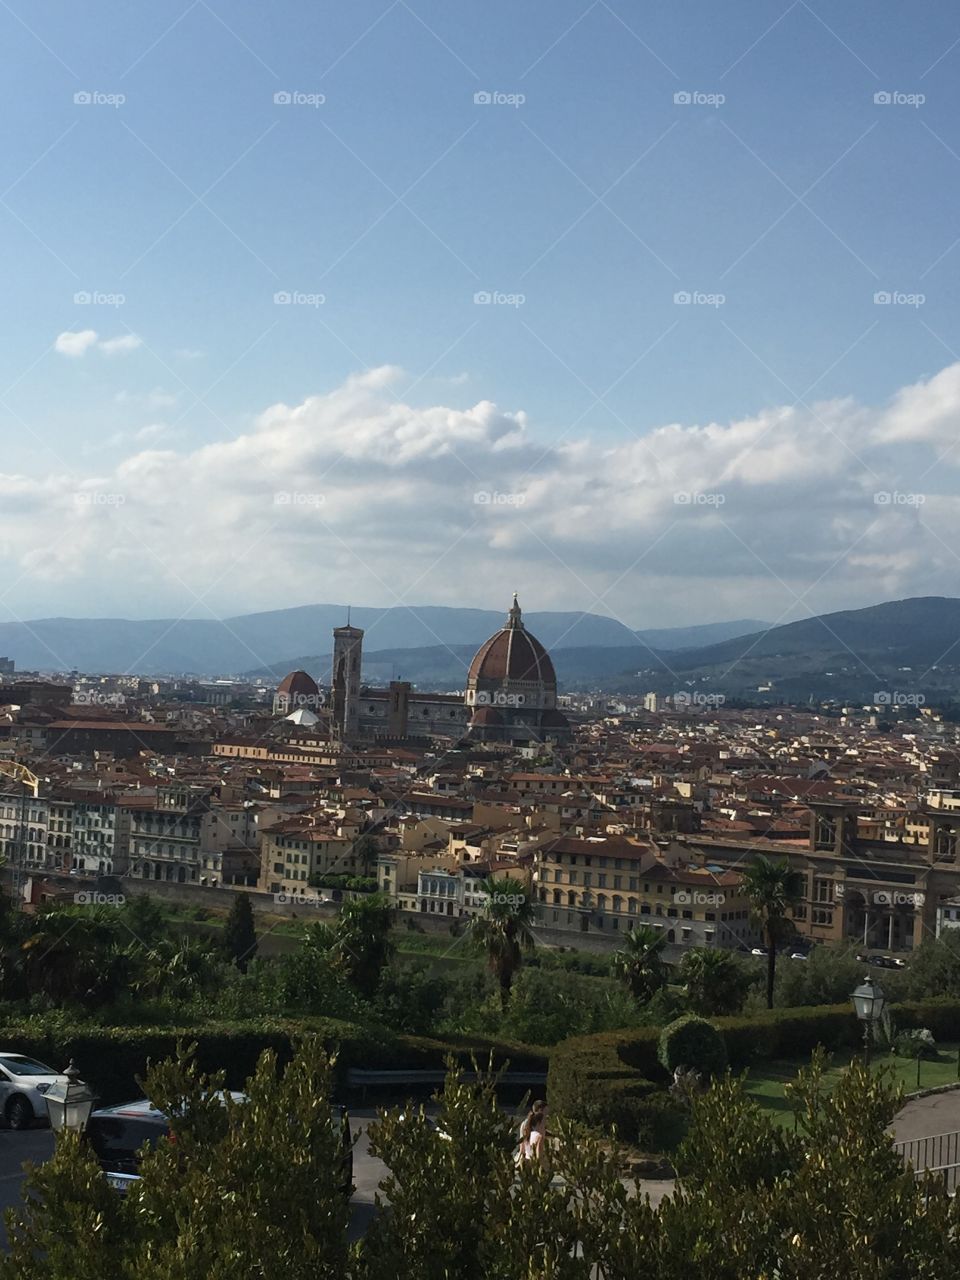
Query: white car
x: 23, y: 1083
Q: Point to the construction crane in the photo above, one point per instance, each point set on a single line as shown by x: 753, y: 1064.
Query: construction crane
x: 29, y: 781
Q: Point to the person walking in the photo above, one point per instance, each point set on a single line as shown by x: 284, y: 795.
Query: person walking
x: 532, y: 1133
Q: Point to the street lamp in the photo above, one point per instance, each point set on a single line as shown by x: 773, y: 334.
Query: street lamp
x: 69, y: 1102
x: 868, y: 1000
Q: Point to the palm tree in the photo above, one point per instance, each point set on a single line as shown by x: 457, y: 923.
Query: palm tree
x: 772, y: 888
x: 715, y: 981
x: 505, y: 929
x: 362, y: 940
x: 639, y: 963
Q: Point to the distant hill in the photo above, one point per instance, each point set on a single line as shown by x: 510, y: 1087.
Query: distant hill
x: 916, y: 632
x: 261, y: 641
x: 444, y: 667
x: 851, y: 654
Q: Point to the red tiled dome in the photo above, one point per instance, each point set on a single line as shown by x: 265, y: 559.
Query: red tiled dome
x: 485, y: 717
x: 512, y: 654
x: 298, y: 685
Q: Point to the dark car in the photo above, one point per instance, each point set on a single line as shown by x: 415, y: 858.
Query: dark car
x: 119, y: 1135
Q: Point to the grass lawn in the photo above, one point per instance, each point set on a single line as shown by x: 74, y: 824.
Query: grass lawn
x: 765, y: 1083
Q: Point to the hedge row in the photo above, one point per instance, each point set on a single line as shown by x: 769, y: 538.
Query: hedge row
x: 111, y: 1059
x: 613, y: 1077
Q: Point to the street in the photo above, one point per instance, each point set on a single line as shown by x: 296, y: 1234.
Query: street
x: 37, y: 1145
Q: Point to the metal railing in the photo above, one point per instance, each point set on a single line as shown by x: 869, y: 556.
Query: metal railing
x: 938, y: 1154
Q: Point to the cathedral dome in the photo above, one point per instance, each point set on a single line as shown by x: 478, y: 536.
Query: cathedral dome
x: 298, y: 685
x: 512, y: 654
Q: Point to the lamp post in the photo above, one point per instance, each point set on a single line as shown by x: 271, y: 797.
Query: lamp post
x: 868, y: 1001
x: 69, y: 1102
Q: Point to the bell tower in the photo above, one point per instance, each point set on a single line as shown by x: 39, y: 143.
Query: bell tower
x: 347, y: 659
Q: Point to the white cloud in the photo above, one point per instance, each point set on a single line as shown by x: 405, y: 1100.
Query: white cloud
x: 377, y: 503
x: 120, y: 346
x: 75, y: 344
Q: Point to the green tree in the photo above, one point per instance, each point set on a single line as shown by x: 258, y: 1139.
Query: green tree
x: 504, y: 929
x: 362, y: 941
x: 715, y: 982
x: 75, y: 955
x: 366, y: 850
x: 71, y: 1225
x: 692, y: 1042
x: 248, y: 1188
x: 639, y: 963
x: 143, y: 917
x: 239, y: 932
x: 772, y: 889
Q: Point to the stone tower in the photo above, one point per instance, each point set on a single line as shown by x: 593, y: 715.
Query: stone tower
x: 347, y: 655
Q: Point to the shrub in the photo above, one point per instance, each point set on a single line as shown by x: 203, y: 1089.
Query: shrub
x: 113, y: 1059
x: 915, y: 1044
x: 692, y: 1041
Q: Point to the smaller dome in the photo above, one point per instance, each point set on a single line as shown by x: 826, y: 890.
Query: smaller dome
x: 298, y: 685
x: 486, y: 717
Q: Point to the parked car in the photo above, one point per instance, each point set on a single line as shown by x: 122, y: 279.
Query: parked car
x: 887, y: 962
x: 23, y: 1083
x: 799, y: 955
x: 120, y: 1135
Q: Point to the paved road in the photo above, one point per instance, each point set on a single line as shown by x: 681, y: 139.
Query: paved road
x: 368, y: 1171
x: 37, y: 1145
x: 924, y: 1117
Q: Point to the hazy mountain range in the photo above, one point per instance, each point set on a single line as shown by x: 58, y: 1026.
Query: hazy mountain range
x: 266, y: 642
x: 902, y: 648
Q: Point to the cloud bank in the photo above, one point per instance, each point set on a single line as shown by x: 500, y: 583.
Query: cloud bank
x: 357, y: 494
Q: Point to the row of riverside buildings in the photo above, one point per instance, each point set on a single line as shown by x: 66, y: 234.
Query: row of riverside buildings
x: 611, y: 814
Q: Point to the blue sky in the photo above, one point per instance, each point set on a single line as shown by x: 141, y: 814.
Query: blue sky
x: 589, y: 191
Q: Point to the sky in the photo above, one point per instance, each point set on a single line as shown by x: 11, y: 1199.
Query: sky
x: 645, y: 310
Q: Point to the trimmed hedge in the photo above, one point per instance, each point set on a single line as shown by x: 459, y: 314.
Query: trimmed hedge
x: 111, y: 1059
x: 614, y: 1077
x: 695, y: 1043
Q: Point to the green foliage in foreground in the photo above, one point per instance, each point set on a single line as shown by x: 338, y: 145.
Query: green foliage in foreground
x: 250, y: 1191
